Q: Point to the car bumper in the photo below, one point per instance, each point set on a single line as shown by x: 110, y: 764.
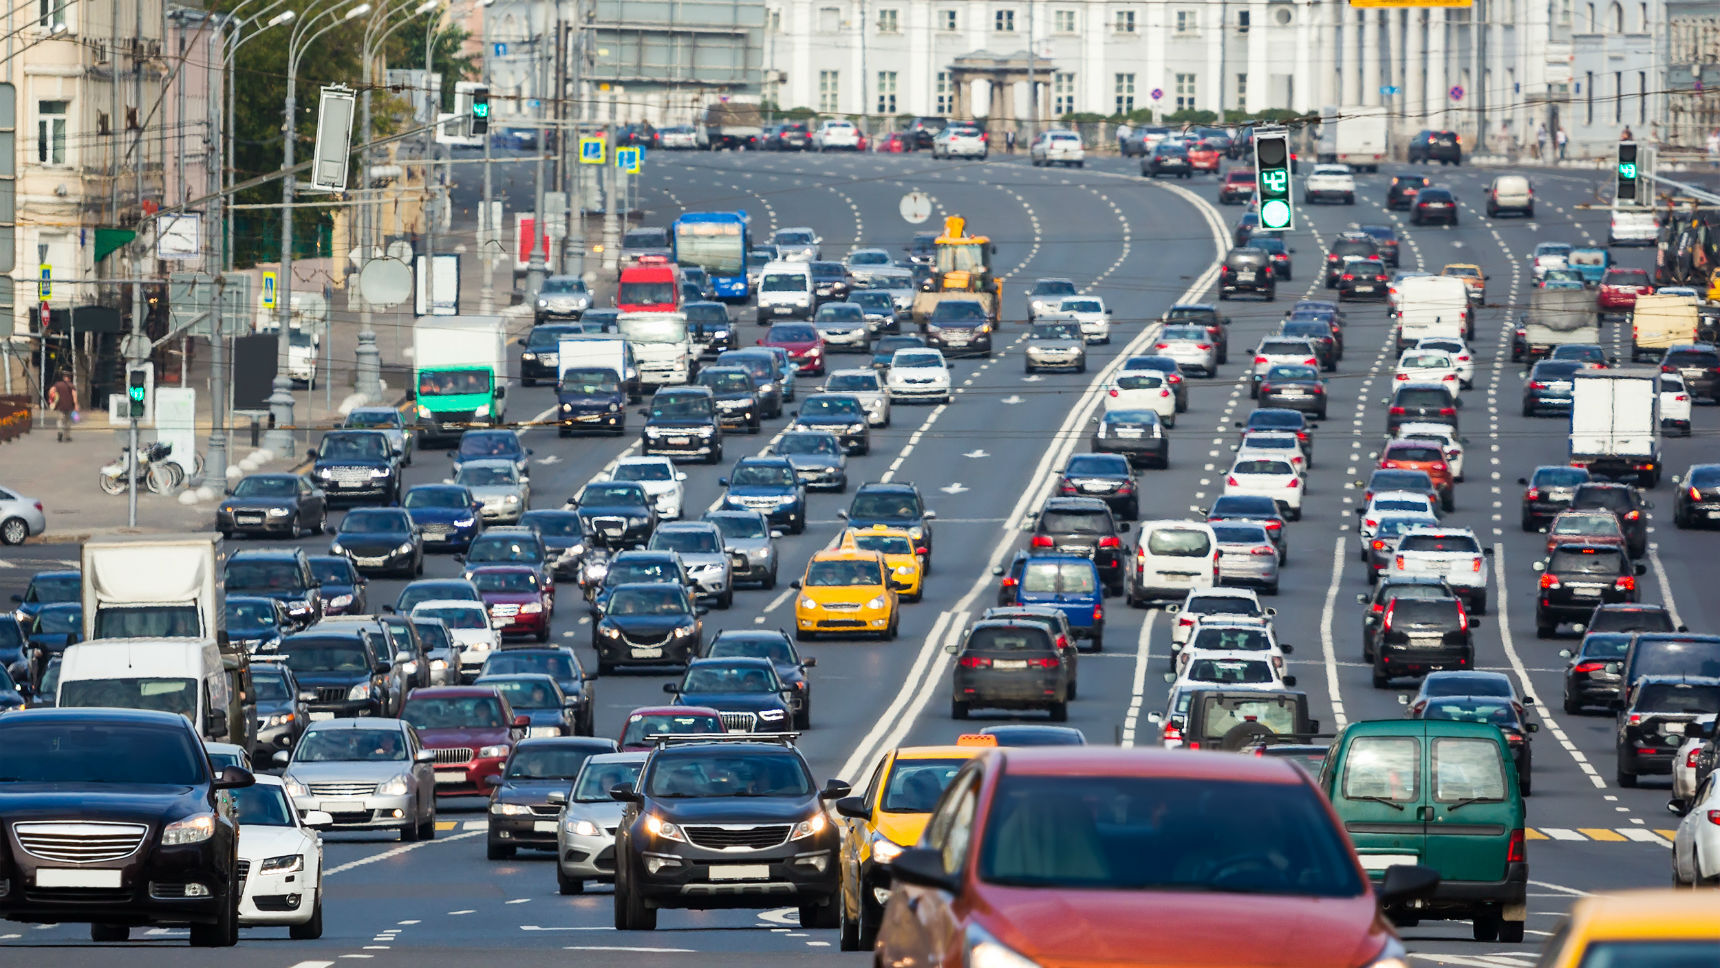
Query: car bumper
x: 1402, y: 660
x: 361, y: 813
x: 447, y: 537
x: 372, y: 490
x: 671, y: 651
x: 1306, y: 403
x: 150, y: 889
x: 1056, y: 359
x: 275, y: 899
x: 587, y: 858
x: 1138, y: 448
x: 953, y: 345
x: 859, y: 621
x: 1009, y: 690
x: 520, y: 623
x: 532, y: 830
x: 1567, y: 608
x: 786, y: 310
x: 344, y: 709
x: 244, y: 522
x: 467, y: 779
x: 809, y: 876
x: 1235, y: 569
x: 570, y: 420
x: 919, y: 392
x: 688, y: 446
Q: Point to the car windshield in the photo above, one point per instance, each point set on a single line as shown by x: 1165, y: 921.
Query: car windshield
x: 873, y: 506
x: 622, y: 572
x: 726, y: 773
x: 368, y: 446
x: 731, y: 381
x: 1630, y: 620
x: 420, y: 498
x: 1127, y: 417
x: 841, y: 313
x: 253, y: 614
x: 762, y: 475
x: 853, y: 382
x: 424, y: 591
x: 1400, y: 480
x: 505, y: 581
x: 559, y: 667
x: 612, y: 495
x: 832, y: 406
x: 1425, y: 611
x: 58, y: 621
x: 492, y: 475
x: 1677, y: 697
x: 347, y: 745
x: 263, y: 805
x: 752, y: 646
x: 885, y: 544
x: 270, y: 486
x: 1117, y: 833
x: 648, y: 470
x: 265, y: 576
x: 525, y: 693
x: 1604, y: 646
x: 498, y: 547
x: 456, y: 616
x: 375, y: 521
x: 735, y: 526
x: 82, y: 753
x: 597, y: 778
x: 324, y: 656
x: 1462, y: 544
x: 1263, y: 465
x: 796, y: 333
x: 915, y: 784
x: 1228, y: 671
x: 842, y: 573
x: 687, y: 541
x: 590, y: 381
x: 1586, y: 561
x: 554, y: 524
x: 271, y: 686
x: 1099, y: 465
x: 164, y: 695
x: 1595, y: 525
x: 719, y: 678
x: 562, y: 284
x: 1075, y: 522
x: 664, y: 600
x: 1059, y: 578
x: 1053, y: 287
x: 332, y: 571
x: 1232, y: 640
x: 1139, y: 381
x: 1473, y: 711
x: 1232, y: 534
x: 454, y: 712
x: 1221, y: 605
x: 680, y: 406
x: 783, y: 282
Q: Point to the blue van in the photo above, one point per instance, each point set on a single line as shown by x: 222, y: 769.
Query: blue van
x: 1065, y: 582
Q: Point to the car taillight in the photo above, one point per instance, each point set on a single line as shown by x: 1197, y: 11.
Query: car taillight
x: 1379, y: 545
x: 1397, y: 411
x: 1266, y: 388
x: 1348, y: 277
x: 1632, y: 515
x: 1448, y: 411
x: 1516, y: 852
x: 1295, y: 482
x: 1635, y: 718
x: 1668, y: 369
x: 1449, y: 378
x: 1110, y: 542
x: 1695, y: 495
x: 1626, y: 584
x: 1386, y: 623
x: 1231, y: 480
x: 1588, y: 667
x: 1317, y: 388
x: 1369, y: 522
x: 1403, y: 376
x: 1532, y: 494
x: 1113, y: 391
x: 1042, y: 541
x: 1098, y: 613
x: 1174, y: 735
x: 1044, y: 662
x: 1066, y: 488
x: 1262, y: 551
x: 1274, y: 525
x: 1691, y: 757
x: 1400, y: 562
x: 1164, y: 393
x: 1462, y: 618
x: 1009, y: 583
x: 1176, y: 377
x: 975, y: 662
x: 1331, y: 257
x: 1258, y: 360
x: 1476, y: 565
x: 1680, y: 398
x: 1126, y: 487
x: 1311, y: 361
x: 1714, y: 817
x: 1185, y: 623
x: 1161, y: 346
x: 1549, y: 581
x: 1208, y: 346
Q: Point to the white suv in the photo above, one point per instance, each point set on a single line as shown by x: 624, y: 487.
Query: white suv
x: 836, y: 135
x: 1057, y: 148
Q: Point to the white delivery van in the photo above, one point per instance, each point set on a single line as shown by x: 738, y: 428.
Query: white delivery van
x: 785, y: 292
x: 1172, y: 557
x: 1431, y: 306
x: 1510, y: 193
x: 182, y: 676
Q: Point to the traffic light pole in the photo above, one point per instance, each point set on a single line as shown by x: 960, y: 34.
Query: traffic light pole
x: 133, y: 357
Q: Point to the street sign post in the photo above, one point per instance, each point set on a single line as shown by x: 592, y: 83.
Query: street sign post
x: 1456, y: 92
x: 916, y: 207
x: 268, y: 290
x: 591, y: 151
x: 627, y: 159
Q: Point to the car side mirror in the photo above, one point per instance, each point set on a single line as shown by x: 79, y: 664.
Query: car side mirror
x: 852, y: 807
x: 1539, y: 566
x: 382, y: 667
x: 492, y: 781
x: 671, y: 688
x: 521, y: 722
x: 1474, y: 622
x: 722, y: 482
x: 424, y: 756
x: 317, y: 820
x: 1641, y: 570
x: 924, y: 867
x: 1648, y: 505
x: 1286, y: 648
x: 701, y: 610
x: 834, y: 789
x: 1406, y: 882
x: 281, y: 757
x: 1694, y: 730
x: 312, y: 453
x: 624, y: 793
x: 1361, y: 599
x: 1290, y: 681
x: 233, y: 778
x: 1677, y: 808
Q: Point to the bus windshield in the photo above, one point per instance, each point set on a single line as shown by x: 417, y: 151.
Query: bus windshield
x: 719, y: 248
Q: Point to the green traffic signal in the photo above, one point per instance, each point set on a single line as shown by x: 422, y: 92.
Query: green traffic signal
x: 1272, y: 180
x: 137, y: 391
x: 1627, y: 169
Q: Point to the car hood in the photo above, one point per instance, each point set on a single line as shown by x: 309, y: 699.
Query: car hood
x: 98, y: 802
x: 542, y: 717
x: 747, y: 545
x: 482, y: 491
x: 695, y: 559
x: 1057, y: 343
x: 604, y: 813
x: 347, y: 771
x: 457, y: 736
x: 332, y: 463
x: 792, y: 347
x: 815, y: 461
x: 466, y: 637
x: 531, y: 791
x: 510, y: 598
x: 372, y: 541
x: 308, y: 681
x: 735, y: 809
x: 258, y: 841
x: 258, y: 503
x: 1100, y: 927
x: 759, y: 490
x: 646, y: 624
x: 735, y: 701
x: 439, y: 515
x: 829, y: 420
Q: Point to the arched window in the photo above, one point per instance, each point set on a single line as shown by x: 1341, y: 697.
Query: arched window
x: 1615, y: 17
x: 1591, y: 21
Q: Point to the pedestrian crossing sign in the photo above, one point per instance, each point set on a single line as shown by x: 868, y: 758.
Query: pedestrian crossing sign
x: 627, y: 159
x: 591, y: 151
x: 268, y: 290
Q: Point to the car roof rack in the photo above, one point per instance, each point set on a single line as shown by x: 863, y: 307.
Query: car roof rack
x: 669, y: 739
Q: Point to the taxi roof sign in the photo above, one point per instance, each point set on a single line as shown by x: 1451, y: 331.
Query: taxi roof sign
x: 976, y: 739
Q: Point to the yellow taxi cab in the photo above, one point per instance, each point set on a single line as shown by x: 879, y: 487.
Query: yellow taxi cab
x: 1651, y: 927
x: 897, y: 547
x: 846, y: 592
x: 888, y: 817
x: 1472, y: 277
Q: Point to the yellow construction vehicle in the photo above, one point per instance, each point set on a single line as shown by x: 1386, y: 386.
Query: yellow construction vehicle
x: 961, y: 270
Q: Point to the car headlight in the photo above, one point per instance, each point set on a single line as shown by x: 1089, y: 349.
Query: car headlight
x: 663, y: 828
x: 529, y: 356
x: 465, y: 522
x: 340, y: 601
x: 395, y: 787
x: 279, y: 719
x: 904, y: 569
x: 683, y: 631
x: 530, y: 608
x: 767, y: 387
x: 438, y: 664
x: 404, y: 549
x: 423, y: 411
x: 360, y: 691
x: 583, y: 828
x: 279, y: 512
x: 337, y: 548
x: 325, y: 472
x: 807, y: 603
x: 284, y: 864
x: 510, y: 809
x: 856, y: 428
x: 191, y: 830
x: 1392, y: 955
x: 380, y: 472
x: 876, y: 603
x: 771, y: 715
x: 985, y: 951
x: 613, y: 408
x: 609, y: 631
x: 808, y: 827
x: 512, y: 499
x: 760, y: 552
x: 491, y: 752
x: 916, y: 533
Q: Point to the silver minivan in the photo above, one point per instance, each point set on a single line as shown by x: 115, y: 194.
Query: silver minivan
x: 1510, y: 193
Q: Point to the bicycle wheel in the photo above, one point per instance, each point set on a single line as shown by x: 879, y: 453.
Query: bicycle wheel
x: 112, y: 483
x: 161, y: 478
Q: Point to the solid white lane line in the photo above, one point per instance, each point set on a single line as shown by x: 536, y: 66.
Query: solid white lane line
x: 1665, y: 585
x: 1524, y: 684
x: 1328, y: 649
x: 863, y: 750
x: 1138, y: 688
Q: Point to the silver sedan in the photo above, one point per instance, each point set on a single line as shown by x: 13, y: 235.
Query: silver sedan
x: 20, y: 517
x: 1247, y: 555
x: 368, y: 774
x: 1191, y: 346
x: 585, y: 833
x: 747, y: 535
x: 498, y: 485
x: 1055, y: 343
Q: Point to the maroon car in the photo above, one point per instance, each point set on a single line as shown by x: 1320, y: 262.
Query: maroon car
x: 1619, y: 289
x: 648, y: 721
x: 518, y: 599
x: 803, y: 344
x: 470, y: 729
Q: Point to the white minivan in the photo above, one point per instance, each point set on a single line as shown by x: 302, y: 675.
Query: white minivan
x: 182, y: 676
x: 1172, y: 558
x: 785, y: 292
x: 1510, y: 193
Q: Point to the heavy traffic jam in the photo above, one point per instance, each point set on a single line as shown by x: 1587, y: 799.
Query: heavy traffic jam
x: 1332, y: 594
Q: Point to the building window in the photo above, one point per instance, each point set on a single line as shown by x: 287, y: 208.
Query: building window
x: 51, y: 131
x: 1242, y: 21
x: 946, y: 100
x: 1589, y: 96
x: 829, y: 91
x: 1641, y: 97
x: 886, y: 92
x: 1062, y: 94
x: 1186, y: 22
x: 1124, y: 88
x: 773, y: 21
x: 1242, y: 91
x: 1618, y: 96
x: 1003, y: 21
x: 1615, y: 14
x: 829, y: 20
x: 52, y: 13
x: 1063, y: 21
x: 888, y: 22
x: 1124, y: 22
x: 947, y: 21
x: 1185, y: 92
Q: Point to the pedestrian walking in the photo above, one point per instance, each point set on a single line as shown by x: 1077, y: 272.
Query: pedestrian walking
x: 1123, y: 132
x: 1714, y: 147
x: 63, y: 400
x: 1009, y: 141
x: 1563, y: 139
x: 1627, y: 136
x: 1541, y: 143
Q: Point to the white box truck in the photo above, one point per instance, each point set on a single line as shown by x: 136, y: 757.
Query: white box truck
x: 1559, y: 317
x: 1615, y: 422
x: 1356, y: 135
x: 662, y: 346
x: 1433, y: 306
x: 1660, y: 322
x: 460, y: 374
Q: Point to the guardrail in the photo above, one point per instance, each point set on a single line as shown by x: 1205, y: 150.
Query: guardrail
x: 17, y: 415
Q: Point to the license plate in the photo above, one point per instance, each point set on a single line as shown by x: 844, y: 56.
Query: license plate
x: 248, y: 518
x: 543, y: 826
x: 1364, y: 288
x: 740, y: 872
x: 1175, y: 577
x: 56, y: 877
x: 782, y: 310
x: 450, y: 776
x: 342, y: 806
x: 1245, y: 277
x: 317, y: 717
x: 1009, y: 664
x: 1586, y: 592
x: 1714, y: 514
x: 647, y: 652
x: 588, y: 417
x: 680, y: 441
x: 1425, y: 641
x: 1293, y: 392
x: 1379, y: 862
x: 1095, y: 488
x: 501, y: 622
x: 1129, y: 432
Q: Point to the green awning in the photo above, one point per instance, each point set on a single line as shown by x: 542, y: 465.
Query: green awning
x: 108, y: 240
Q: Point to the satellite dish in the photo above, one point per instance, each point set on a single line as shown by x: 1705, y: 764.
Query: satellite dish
x: 385, y: 282
x: 400, y: 250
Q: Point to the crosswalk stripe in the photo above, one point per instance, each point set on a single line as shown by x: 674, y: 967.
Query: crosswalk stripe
x: 475, y: 825
x: 1530, y: 833
x: 443, y: 826
x: 1560, y: 833
x: 1601, y: 833
x: 1668, y: 834
x: 1638, y: 833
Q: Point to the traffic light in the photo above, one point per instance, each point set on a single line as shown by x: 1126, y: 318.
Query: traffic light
x: 480, y: 110
x: 1272, y: 179
x: 1628, y: 174
x: 137, y: 390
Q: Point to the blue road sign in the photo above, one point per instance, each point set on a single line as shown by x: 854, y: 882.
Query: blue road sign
x: 501, y: 50
x: 591, y: 151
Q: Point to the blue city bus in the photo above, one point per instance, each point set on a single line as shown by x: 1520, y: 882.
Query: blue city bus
x: 718, y: 243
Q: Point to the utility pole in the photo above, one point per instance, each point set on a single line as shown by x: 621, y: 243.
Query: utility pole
x: 535, y: 267
x: 136, y: 352
x: 280, y: 436
x: 573, y: 246
x: 1032, y: 81
x: 611, y: 227
x: 429, y: 207
x: 487, y: 225
x: 866, y: 105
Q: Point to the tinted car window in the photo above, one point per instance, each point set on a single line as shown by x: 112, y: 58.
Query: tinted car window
x: 1075, y: 522
x: 1457, y: 543
x: 1589, y: 561
x: 1177, y: 542
x: 1423, y: 397
x: 83, y: 753
x: 1678, y: 697
x: 1424, y: 611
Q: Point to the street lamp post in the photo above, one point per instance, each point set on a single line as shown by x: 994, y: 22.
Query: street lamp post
x: 280, y: 435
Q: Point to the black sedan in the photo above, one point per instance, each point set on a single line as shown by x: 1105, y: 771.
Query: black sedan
x: 285, y: 504
x: 647, y: 624
x: 342, y: 585
x: 778, y: 648
x: 1696, y: 503
x: 540, y: 353
x: 1577, y: 577
x: 1361, y: 278
x: 1404, y: 189
x: 1626, y: 503
x: 380, y: 541
x: 564, y: 537
x: 1495, y: 711
x: 1167, y: 159
x: 1138, y: 435
x: 522, y: 797
x: 619, y: 513
x: 839, y: 413
x: 1294, y: 386
x: 1387, y: 238
x: 1433, y: 205
x: 1547, y: 492
x: 1548, y: 387
x: 744, y: 690
x: 1108, y: 477
x: 1594, y: 673
x: 559, y: 663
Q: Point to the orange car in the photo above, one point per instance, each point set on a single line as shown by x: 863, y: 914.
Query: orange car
x: 1202, y: 156
x: 1083, y: 856
x: 1585, y: 527
x: 1423, y: 455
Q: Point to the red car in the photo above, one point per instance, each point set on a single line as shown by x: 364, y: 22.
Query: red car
x: 1204, y: 156
x: 648, y: 721
x: 802, y: 343
x: 471, y: 730
x: 1092, y: 856
x: 520, y: 602
x: 893, y: 143
x: 1237, y: 187
x: 1619, y: 289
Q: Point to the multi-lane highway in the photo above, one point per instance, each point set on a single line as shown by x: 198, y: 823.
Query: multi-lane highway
x: 984, y: 462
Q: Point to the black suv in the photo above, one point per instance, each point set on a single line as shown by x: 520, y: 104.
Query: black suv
x: 1167, y: 159
x: 1577, y: 577
x: 281, y: 574
x: 1547, y: 492
x: 894, y: 506
x: 1445, y: 147
x: 1698, y: 364
x: 706, y: 816
x: 1382, y: 595
x: 841, y: 414
x: 1083, y: 527
x: 1626, y: 503
x: 682, y: 422
x: 1434, y: 205
x: 830, y: 282
x: 1006, y: 664
x: 789, y: 136
x: 921, y: 132
x: 1247, y: 269
x: 357, y: 466
x: 110, y: 815
x: 346, y: 667
x: 1421, y: 403
x: 1696, y: 503
x: 959, y: 326
x: 1404, y: 188
x: 737, y: 397
x: 619, y: 513
x: 1594, y: 671
x: 1421, y: 635
x: 1348, y: 244
x: 1651, y: 724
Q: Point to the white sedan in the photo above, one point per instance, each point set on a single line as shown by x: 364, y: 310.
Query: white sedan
x: 280, y: 856
x: 1392, y: 502
x: 1460, y: 354
x: 1143, y: 390
x: 661, y: 479
x: 20, y: 517
x: 918, y: 374
x: 1674, y: 405
x: 959, y: 141
x: 1444, y: 435
x: 1426, y: 366
x: 1091, y: 313
x: 1274, y: 445
x: 1233, y: 670
x: 1696, y: 845
x: 836, y: 135
x: 1225, y: 635
x: 1057, y: 148
x: 1204, y: 603
x: 1272, y: 477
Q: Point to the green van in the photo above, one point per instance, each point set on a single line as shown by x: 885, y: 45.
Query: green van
x: 1442, y: 795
